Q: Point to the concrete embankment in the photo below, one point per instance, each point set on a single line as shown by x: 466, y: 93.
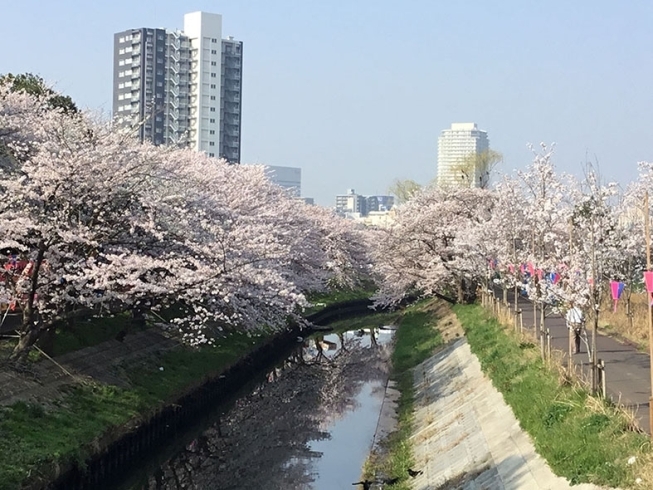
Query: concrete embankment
x: 466, y: 436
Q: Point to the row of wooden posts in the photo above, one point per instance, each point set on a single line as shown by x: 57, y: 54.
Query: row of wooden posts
x: 509, y: 316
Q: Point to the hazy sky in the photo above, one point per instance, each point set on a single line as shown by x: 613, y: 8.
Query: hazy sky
x: 356, y: 92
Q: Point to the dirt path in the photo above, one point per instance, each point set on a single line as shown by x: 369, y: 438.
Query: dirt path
x: 104, y: 362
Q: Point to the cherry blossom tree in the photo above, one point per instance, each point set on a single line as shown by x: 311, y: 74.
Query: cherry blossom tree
x: 97, y: 222
x: 436, y: 244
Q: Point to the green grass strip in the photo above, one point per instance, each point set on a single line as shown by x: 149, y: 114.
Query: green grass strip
x: 583, y: 439
x: 415, y: 341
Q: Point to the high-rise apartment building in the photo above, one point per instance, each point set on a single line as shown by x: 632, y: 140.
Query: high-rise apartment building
x: 181, y: 87
x: 457, y: 149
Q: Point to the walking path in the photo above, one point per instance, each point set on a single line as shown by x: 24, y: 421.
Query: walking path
x: 628, y: 375
x: 466, y: 437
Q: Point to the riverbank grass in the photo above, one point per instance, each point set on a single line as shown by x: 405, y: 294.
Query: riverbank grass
x: 584, y: 439
x: 32, y: 435
x: 417, y: 338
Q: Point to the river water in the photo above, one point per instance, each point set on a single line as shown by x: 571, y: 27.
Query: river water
x: 307, y: 424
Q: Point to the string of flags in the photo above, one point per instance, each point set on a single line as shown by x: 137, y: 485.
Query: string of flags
x: 529, y: 270
x: 648, y: 280
x: 617, y: 288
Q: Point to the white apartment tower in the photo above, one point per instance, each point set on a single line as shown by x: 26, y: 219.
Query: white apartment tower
x: 455, y: 147
x: 181, y: 88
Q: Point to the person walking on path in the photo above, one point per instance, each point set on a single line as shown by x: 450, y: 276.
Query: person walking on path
x: 575, y: 323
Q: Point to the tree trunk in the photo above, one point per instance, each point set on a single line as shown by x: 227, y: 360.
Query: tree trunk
x: 30, y: 329
x: 461, y: 295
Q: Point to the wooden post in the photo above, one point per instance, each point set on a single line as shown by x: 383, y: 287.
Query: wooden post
x: 548, y: 344
x: 521, y: 321
x: 571, y: 349
x: 603, y: 382
x: 542, y: 345
x: 647, y: 231
x: 595, y: 308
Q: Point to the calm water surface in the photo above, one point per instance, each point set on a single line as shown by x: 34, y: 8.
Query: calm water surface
x: 308, y: 424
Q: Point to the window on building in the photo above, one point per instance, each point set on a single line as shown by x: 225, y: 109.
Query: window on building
x: 121, y: 85
x: 213, y: 63
x: 213, y: 97
x: 211, y: 154
x: 214, y: 51
x: 212, y: 109
x: 213, y: 75
x: 211, y: 121
x: 214, y: 40
x: 121, y: 40
x: 213, y: 85
x: 121, y: 51
x: 121, y: 74
x: 121, y: 63
x: 211, y: 143
x: 159, y: 84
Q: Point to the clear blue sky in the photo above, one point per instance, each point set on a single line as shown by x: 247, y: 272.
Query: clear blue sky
x: 356, y: 92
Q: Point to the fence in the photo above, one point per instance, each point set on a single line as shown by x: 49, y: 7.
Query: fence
x: 512, y: 317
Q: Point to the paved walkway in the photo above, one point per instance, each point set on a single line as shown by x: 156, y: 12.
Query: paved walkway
x: 628, y: 375
x: 466, y: 436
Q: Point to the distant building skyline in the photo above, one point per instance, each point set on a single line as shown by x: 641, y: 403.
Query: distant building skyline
x: 290, y: 178
x: 457, y: 146
x: 353, y: 203
x: 391, y: 129
x: 181, y: 88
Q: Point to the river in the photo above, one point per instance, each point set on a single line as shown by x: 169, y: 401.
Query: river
x: 306, y: 424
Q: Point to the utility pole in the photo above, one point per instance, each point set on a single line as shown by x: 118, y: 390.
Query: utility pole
x: 647, y: 232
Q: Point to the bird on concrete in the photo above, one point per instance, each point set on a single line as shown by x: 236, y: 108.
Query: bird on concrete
x: 367, y: 484
x: 414, y: 473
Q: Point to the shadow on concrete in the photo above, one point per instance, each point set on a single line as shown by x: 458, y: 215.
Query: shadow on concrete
x: 507, y: 474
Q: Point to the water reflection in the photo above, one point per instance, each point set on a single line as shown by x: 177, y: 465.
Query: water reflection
x: 309, y: 425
